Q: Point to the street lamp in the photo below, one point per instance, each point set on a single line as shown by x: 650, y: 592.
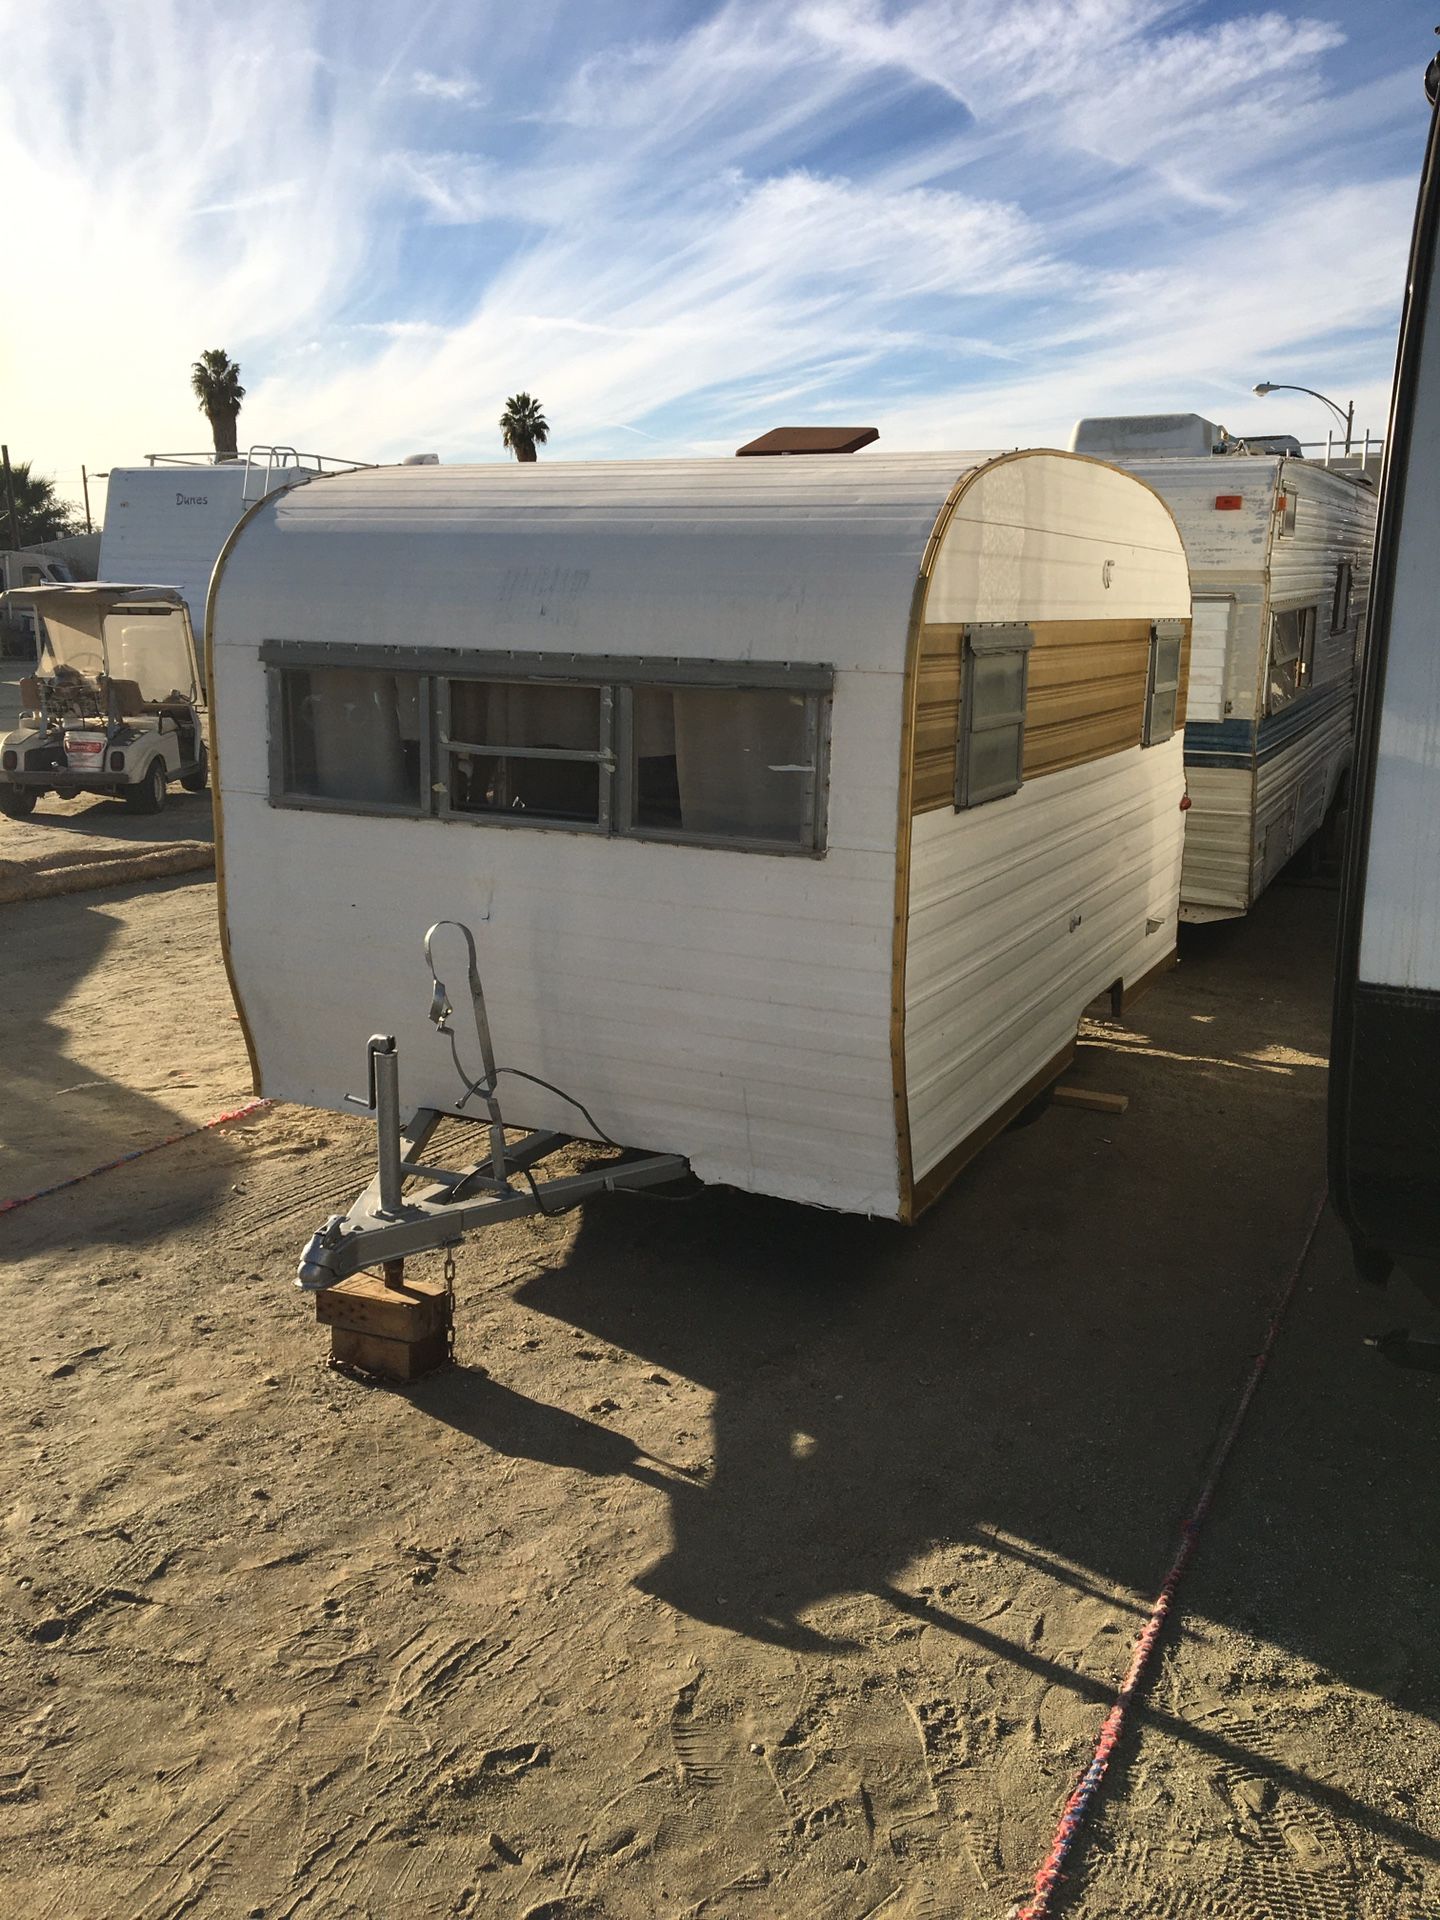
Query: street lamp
x: 1345, y: 415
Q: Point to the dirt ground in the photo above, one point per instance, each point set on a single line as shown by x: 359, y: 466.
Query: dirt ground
x: 751, y: 1562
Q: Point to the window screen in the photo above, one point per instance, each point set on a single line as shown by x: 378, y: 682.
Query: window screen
x: 1292, y: 655
x: 1162, y: 692
x: 723, y: 763
x: 527, y: 748
x: 352, y: 735
x: 990, y: 748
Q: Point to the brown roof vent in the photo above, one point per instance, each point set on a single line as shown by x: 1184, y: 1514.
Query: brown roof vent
x: 811, y: 440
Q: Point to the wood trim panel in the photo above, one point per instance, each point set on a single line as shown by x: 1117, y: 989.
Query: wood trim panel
x: 937, y: 716
x: 1087, y: 692
x: 905, y: 814
x: 216, y: 787
x: 1086, y: 699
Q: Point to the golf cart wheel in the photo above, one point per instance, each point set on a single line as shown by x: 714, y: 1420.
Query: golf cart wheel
x: 148, y: 794
x: 197, y: 781
x: 17, y: 803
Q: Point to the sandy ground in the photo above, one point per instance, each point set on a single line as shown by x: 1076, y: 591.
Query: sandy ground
x: 751, y: 1562
x: 116, y: 1027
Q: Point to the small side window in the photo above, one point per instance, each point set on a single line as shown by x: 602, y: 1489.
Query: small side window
x: 1162, y: 691
x: 1344, y: 585
x: 1292, y: 655
x: 990, y: 747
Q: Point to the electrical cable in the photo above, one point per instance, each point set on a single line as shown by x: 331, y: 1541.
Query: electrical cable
x: 478, y: 1088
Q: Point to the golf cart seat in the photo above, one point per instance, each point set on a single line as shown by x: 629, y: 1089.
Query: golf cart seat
x: 128, y: 698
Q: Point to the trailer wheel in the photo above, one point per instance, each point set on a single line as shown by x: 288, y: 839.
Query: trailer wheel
x: 148, y: 794
x: 17, y: 803
x: 197, y: 781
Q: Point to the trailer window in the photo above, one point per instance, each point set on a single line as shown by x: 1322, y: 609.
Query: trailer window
x: 1162, y: 690
x: 713, y: 752
x: 1344, y: 584
x: 990, y: 749
x: 526, y: 748
x: 1292, y: 655
x: 352, y: 736
x: 724, y: 763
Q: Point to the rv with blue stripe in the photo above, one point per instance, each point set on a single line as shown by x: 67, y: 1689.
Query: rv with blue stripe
x: 1280, y: 551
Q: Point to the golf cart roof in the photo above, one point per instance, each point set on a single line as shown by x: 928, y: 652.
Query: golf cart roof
x: 133, y: 633
x: 100, y: 597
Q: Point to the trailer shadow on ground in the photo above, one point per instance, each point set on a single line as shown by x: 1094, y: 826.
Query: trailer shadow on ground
x: 81, y: 1085
x: 1039, y: 1370
x: 752, y: 1560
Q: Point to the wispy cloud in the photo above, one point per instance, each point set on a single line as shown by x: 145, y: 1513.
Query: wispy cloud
x: 966, y: 220
x: 457, y: 89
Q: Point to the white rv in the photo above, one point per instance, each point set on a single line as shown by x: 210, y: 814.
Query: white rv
x: 167, y: 520
x: 797, y: 807
x: 22, y: 568
x: 1280, y: 551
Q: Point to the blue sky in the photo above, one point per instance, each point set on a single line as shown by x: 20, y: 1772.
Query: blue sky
x: 963, y: 221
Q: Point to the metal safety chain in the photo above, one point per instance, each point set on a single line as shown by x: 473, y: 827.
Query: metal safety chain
x: 449, y: 1272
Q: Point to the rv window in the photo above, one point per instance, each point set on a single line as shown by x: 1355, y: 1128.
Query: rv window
x: 1292, y: 653
x: 662, y: 750
x: 351, y: 735
x: 724, y: 763
x: 1162, y: 692
x: 528, y: 748
x: 1340, y: 612
x: 990, y: 748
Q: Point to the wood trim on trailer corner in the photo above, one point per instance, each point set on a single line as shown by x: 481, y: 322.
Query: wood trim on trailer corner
x: 216, y: 808
x: 900, y: 936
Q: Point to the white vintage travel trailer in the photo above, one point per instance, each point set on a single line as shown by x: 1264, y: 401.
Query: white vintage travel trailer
x: 797, y: 807
x: 1279, y: 551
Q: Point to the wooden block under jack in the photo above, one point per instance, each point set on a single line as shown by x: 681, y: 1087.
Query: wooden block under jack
x: 397, y: 1332
x: 1091, y: 1097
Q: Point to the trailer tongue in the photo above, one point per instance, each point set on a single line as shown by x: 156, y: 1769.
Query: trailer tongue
x: 396, y: 1328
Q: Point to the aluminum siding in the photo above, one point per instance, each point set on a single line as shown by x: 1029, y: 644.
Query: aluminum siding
x: 1020, y: 914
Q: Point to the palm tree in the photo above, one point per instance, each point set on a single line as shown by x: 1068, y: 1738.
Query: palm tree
x: 523, y: 427
x: 40, y: 513
x: 215, y: 382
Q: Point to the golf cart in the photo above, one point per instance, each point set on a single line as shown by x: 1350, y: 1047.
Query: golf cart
x: 114, y: 704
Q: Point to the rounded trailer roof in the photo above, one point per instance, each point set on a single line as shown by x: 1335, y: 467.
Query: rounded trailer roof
x: 812, y: 558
